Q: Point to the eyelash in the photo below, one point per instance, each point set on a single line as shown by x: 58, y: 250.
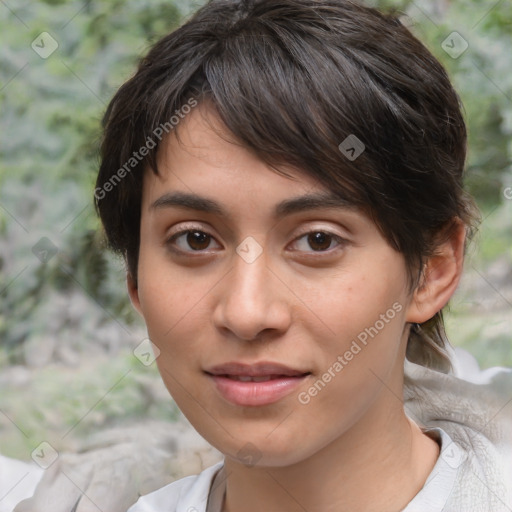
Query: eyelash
x: 191, y: 229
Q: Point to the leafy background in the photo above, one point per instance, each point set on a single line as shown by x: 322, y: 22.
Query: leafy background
x: 67, y: 330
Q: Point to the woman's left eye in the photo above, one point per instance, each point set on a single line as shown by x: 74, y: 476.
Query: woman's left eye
x: 320, y: 241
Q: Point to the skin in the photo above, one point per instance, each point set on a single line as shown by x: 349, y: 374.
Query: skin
x: 299, y: 303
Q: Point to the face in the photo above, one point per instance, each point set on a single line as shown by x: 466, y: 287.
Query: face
x: 276, y: 331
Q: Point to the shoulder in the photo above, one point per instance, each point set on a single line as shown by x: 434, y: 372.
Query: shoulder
x: 483, y: 472
x: 474, y: 408
x: 468, y: 401
x: 189, y: 493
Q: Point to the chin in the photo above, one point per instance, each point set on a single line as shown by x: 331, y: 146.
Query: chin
x: 254, y: 447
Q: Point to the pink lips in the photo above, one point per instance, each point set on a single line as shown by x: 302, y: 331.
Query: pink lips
x: 256, y: 384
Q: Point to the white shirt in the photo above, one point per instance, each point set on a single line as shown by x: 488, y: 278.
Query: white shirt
x: 204, y: 493
x: 18, y: 481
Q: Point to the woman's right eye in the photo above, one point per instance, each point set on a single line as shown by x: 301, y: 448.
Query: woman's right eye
x: 191, y: 240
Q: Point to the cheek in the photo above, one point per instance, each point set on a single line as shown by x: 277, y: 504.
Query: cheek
x: 172, y: 320
x: 360, y: 306
x: 167, y: 293
x: 171, y: 308
x: 366, y: 320
x: 362, y: 355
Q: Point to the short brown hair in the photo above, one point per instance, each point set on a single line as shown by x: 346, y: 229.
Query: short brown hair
x: 292, y: 79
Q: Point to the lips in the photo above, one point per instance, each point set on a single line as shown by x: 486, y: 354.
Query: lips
x: 247, y: 378
x: 263, y: 369
x: 255, y: 384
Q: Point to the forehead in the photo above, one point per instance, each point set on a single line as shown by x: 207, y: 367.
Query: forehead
x: 204, y: 160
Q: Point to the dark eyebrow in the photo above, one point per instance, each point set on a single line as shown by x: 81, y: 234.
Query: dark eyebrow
x: 325, y: 200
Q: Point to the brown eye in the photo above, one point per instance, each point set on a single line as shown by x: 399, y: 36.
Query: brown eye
x: 190, y: 240
x: 198, y: 240
x: 318, y: 241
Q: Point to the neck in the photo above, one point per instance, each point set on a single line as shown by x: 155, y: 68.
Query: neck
x: 383, y: 459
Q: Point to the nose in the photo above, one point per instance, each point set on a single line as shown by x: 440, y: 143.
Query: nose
x: 253, y: 300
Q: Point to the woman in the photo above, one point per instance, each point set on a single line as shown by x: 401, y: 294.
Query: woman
x: 285, y: 181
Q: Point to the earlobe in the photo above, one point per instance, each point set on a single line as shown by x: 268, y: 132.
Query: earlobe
x: 440, y: 277
x: 133, y: 292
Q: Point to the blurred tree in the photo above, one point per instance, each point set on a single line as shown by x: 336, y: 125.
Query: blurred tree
x: 51, y: 110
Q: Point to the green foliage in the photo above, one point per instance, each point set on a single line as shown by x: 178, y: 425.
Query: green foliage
x: 51, y: 110
x: 482, y: 77
x: 64, y: 401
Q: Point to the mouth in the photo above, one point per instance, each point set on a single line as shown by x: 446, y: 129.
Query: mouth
x: 256, y: 384
x: 247, y: 378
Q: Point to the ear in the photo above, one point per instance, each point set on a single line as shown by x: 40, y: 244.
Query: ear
x: 133, y: 291
x: 440, y: 278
